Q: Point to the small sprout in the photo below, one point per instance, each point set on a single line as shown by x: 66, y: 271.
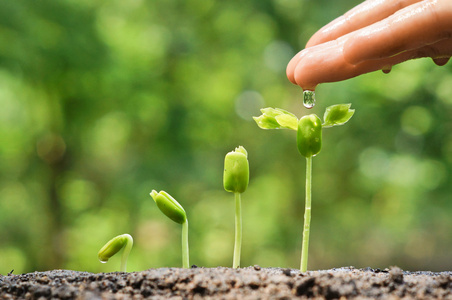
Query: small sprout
x: 236, y: 171
x: 113, y: 246
x: 169, y: 206
x: 235, y: 180
x: 309, y: 142
x: 173, y: 210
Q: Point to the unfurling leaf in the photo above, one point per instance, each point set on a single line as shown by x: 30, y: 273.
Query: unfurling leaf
x: 276, y: 118
x: 337, y: 115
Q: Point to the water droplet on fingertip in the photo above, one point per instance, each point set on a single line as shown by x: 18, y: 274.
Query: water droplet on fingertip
x: 441, y: 61
x: 308, y: 99
x: 386, y: 69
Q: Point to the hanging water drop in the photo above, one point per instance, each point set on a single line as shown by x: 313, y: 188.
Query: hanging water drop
x: 441, y: 61
x: 308, y: 99
x: 386, y: 69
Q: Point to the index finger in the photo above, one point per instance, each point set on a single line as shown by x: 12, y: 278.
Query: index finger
x: 365, y: 14
x: 326, y: 62
x: 420, y: 24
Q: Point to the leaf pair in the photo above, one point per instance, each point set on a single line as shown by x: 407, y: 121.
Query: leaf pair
x: 277, y: 118
x: 309, y: 142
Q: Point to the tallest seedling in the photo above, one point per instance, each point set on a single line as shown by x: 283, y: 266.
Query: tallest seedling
x: 235, y: 179
x: 309, y: 142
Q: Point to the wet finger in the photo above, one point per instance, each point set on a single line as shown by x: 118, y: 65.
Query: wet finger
x: 321, y: 63
x: 365, y: 14
x: 411, y: 28
x: 290, y: 70
x: 326, y: 62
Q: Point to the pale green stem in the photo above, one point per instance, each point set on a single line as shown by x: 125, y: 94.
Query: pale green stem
x: 238, y: 231
x: 307, y: 216
x: 126, y: 252
x: 185, y: 252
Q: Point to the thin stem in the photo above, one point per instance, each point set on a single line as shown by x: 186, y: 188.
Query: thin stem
x: 238, y: 231
x: 126, y: 252
x: 307, y: 216
x: 185, y: 253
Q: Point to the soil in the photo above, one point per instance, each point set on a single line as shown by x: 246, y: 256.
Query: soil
x: 226, y: 283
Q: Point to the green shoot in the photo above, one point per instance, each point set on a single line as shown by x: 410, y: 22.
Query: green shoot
x: 235, y: 180
x: 307, y: 216
x: 113, y: 246
x: 309, y: 142
x: 173, y: 210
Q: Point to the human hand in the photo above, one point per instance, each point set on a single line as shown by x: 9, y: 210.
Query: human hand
x: 374, y: 35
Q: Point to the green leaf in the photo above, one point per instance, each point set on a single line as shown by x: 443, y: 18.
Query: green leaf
x: 276, y: 118
x: 338, y: 114
x: 266, y: 122
x: 273, y: 112
x: 287, y: 121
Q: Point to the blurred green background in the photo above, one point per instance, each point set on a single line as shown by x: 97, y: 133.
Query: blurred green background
x: 103, y: 101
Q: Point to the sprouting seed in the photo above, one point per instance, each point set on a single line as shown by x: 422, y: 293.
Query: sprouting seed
x: 113, y: 246
x: 235, y: 180
x: 173, y: 210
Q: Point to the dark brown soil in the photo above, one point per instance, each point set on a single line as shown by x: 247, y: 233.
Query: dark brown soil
x: 225, y: 283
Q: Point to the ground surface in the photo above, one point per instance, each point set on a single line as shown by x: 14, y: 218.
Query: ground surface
x: 225, y: 283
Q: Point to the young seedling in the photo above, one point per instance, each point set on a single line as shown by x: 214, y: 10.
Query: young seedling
x: 173, y: 210
x: 309, y: 142
x: 113, y: 246
x: 235, y: 180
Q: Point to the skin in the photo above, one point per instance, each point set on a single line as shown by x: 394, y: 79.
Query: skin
x: 374, y: 35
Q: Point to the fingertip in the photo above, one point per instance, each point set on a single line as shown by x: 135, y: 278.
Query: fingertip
x: 298, y: 77
x: 301, y: 78
x: 290, y: 70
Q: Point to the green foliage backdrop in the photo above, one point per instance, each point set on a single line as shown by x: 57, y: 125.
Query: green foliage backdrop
x: 103, y: 101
